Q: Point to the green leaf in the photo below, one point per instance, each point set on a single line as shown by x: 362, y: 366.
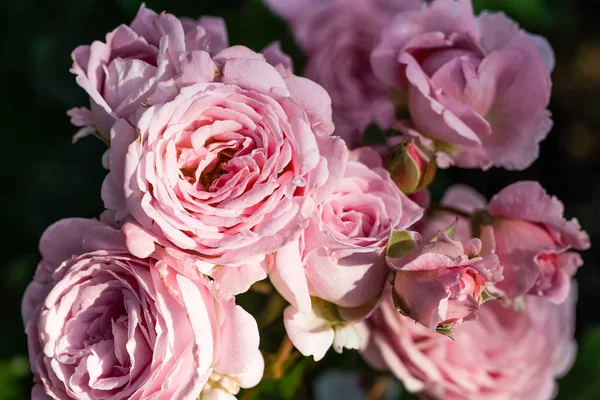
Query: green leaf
x: 583, y: 381
x: 399, y: 244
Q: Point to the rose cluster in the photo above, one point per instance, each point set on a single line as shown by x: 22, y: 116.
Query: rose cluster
x: 226, y: 168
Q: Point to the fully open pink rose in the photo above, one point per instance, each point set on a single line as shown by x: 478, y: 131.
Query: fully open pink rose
x: 442, y: 283
x: 526, y: 228
x: 103, y: 324
x: 477, y: 87
x: 504, y: 355
x: 338, y: 37
x: 340, y: 257
x: 122, y: 72
x: 225, y: 170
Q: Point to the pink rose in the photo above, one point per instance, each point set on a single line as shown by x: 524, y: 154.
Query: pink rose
x: 526, y: 228
x: 442, y: 283
x: 505, y: 354
x: 228, y: 169
x: 120, y: 74
x: 338, y: 37
x: 102, y: 323
x: 340, y: 257
x: 477, y: 87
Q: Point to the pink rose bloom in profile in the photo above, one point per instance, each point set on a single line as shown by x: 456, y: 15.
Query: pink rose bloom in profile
x: 120, y: 73
x: 339, y: 260
x: 442, y: 283
x: 338, y: 37
x: 477, y: 88
x: 526, y: 228
x: 229, y: 169
x: 104, y: 324
x: 505, y: 354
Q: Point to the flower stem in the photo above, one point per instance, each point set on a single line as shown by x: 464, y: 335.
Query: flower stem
x: 262, y: 287
x: 273, y: 309
x: 377, y: 391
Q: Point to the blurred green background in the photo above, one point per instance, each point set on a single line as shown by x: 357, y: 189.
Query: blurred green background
x: 45, y: 177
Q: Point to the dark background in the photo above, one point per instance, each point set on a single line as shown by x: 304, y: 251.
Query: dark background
x: 44, y: 177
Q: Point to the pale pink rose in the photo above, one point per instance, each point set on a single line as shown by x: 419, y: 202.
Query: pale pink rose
x: 526, y: 228
x: 340, y: 257
x: 477, y: 87
x: 102, y: 323
x: 504, y: 355
x: 122, y: 72
x: 442, y: 283
x: 227, y: 171
x: 338, y: 36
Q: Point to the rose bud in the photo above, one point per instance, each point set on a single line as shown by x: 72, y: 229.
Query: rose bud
x: 443, y: 282
x: 410, y: 166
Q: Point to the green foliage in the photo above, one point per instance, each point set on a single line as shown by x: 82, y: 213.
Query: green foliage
x: 532, y: 12
x: 583, y: 381
x: 12, y: 373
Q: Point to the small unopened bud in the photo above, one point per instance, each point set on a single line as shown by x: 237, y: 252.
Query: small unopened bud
x: 411, y: 168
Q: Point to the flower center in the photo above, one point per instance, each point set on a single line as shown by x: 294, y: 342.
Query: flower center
x: 207, y: 177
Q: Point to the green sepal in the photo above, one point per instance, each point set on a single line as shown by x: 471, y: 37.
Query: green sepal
x: 449, y: 232
x: 486, y: 296
x: 326, y: 310
x: 399, y: 244
x: 445, y: 330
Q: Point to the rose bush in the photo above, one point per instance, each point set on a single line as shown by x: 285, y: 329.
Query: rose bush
x: 103, y: 324
x: 526, y: 228
x: 505, y: 354
x: 339, y: 260
x: 229, y: 169
x: 338, y: 37
x: 225, y: 168
x: 477, y: 88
